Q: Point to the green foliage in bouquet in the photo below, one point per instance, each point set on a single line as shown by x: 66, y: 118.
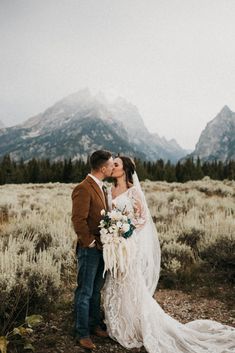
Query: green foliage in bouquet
x: 130, y: 231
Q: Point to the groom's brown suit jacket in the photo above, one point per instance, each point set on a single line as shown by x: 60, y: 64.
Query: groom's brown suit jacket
x: 87, y: 202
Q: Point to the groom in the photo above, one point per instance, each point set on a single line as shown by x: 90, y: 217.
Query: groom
x: 88, y: 199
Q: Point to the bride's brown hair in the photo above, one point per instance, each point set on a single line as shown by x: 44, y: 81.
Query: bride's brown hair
x: 129, y: 169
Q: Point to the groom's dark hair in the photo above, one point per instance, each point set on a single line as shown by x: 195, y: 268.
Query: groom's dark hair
x: 99, y: 158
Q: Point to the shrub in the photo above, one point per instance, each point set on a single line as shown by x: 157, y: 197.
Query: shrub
x: 186, y: 216
x: 191, y: 238
x: 175, y: 251
x: 27, y: 279
x: 221, y: 256
x: 36, y: 249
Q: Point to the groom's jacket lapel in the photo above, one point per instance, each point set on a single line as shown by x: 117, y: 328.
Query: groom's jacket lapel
x: 97, y: 189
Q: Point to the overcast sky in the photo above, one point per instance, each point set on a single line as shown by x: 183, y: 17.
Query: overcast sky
x: 173, y: 59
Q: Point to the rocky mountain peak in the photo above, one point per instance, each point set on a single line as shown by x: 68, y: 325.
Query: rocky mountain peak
x: 222, y: 119
x: 217, y: 140
x: 225, y: 111
x: 129, y: 115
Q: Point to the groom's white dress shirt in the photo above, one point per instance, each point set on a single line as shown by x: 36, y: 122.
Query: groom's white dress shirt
x: 98, y: 181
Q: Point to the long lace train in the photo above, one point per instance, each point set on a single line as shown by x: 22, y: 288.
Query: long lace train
x: 134, y: 318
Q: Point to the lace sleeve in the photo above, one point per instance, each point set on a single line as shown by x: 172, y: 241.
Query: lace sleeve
x: 139, y: 212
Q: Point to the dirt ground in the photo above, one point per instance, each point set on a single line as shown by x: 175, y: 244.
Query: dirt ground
x: 55, y: 334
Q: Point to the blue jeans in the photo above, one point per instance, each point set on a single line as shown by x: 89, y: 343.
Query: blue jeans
x: 87, y: 295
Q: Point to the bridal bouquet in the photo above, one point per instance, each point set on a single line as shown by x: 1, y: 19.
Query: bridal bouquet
x: 116, y: 227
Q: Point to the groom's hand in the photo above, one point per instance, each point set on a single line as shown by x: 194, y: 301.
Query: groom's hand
x: 92, y: 245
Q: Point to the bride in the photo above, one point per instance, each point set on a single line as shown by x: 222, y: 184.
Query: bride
x: 132, y: 316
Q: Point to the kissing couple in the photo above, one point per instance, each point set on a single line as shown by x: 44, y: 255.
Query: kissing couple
x: 132, y: 317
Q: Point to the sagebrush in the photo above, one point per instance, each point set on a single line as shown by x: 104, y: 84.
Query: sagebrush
x: 195, y: 223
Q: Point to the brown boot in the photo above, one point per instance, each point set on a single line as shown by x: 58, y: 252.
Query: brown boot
x: 87, y: 343
x: 100, y: 333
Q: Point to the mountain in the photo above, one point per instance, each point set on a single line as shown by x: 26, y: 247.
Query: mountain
x: 217, y: 140
x: 152, y: 145
x: 80, y: 123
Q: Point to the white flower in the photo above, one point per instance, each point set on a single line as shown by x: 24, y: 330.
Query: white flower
x: 102, y: 223
x: 111, y: 229
x: 103, y: 231
x: 115, y: 215
x: 102, y: 212
x: 126, y: 227
x: 112, y: 214
x: 119, y: 224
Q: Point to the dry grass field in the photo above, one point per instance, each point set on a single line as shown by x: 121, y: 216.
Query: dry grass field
x: 196, y: 227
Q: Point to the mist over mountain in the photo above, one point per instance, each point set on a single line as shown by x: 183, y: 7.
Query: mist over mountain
x: 80, y: 123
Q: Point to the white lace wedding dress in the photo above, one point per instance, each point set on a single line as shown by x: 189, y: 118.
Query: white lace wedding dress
x: 134, y: 318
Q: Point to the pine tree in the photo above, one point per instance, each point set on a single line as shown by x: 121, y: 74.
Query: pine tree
x: 68, y: 171
x: 33, y: 171
x: 170, y: 172
x: 198, y: 171
x: 7, y: 170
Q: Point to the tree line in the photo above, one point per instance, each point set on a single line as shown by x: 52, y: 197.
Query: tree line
x: 66, y: 171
